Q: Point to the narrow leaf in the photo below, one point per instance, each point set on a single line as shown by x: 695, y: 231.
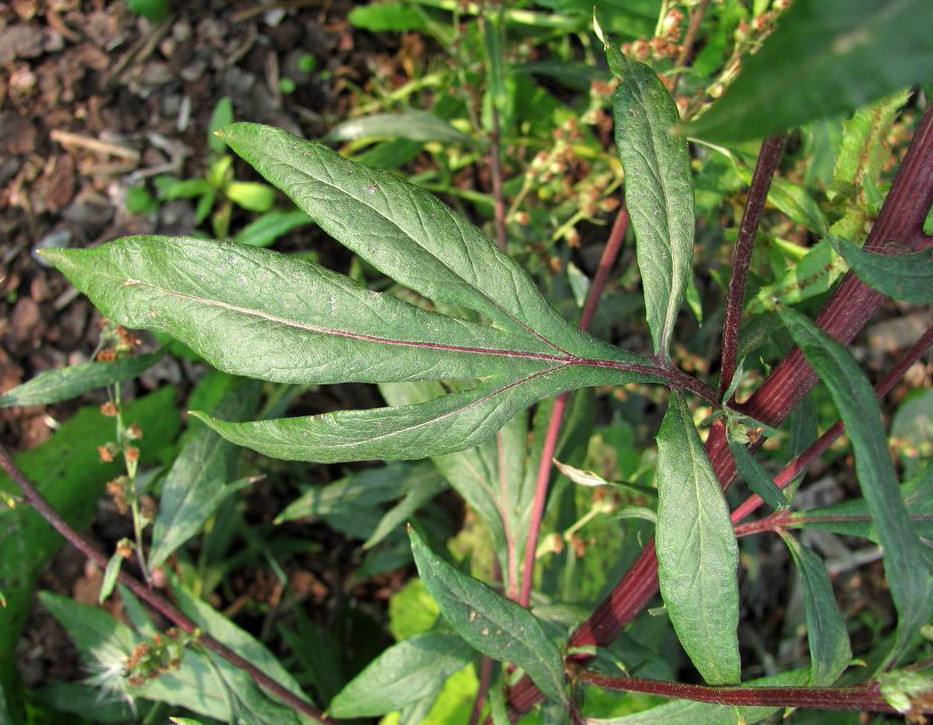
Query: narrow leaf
x: 404, y: 232
x: 826, y: 628
x: 201, y: 474
x: 443, y: 425
x: 659, y: 193
x: 696, y: 548
x: 906, y: 559
x: 53, y: 386
x: 409, y: 671
x: 270, y: 226
x: 413, y: 125
x: 755, y: 476
x: 110, y: 576
x: 492, y: 624
x: 907, y: 277
x: 825, y: 58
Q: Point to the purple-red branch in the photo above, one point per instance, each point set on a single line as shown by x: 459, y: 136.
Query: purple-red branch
x: 155, y: 601
x: 768, y: 159
x: 860, y: 697
x: 843, y: 315
x: 606, y: 261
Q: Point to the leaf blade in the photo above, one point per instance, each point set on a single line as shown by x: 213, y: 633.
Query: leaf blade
x: 439, y: 426
x: 53, y: 386
x: 424, y: 661
x: 659, y: 193
x: 827, y: 636
x: 404, y: 232
x: 906, y: 559
x: 826, y: 57
x: 492, y: 624
x: 696, y: 549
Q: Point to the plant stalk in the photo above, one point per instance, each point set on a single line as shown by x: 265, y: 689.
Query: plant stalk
x: 606, y: 261
x: 768, y: 159
x: 155, y: 601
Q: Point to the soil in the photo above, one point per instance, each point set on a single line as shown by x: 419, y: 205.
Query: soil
x: 96, y: 101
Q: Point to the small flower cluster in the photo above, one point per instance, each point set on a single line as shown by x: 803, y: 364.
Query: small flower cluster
x: 156, y: 657
x: 115, y: 342
x: 665, y: 44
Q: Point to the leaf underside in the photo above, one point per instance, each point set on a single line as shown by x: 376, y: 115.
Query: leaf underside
x: 261, y: 314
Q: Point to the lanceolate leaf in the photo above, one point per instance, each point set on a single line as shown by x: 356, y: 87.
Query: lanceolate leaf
x: 658, y: 191
x: 404, y: 232
x: 696, y: 548
x: 405, y: 673
x: 413, y: 125
x: 201, y: 475
x: 257, y: 313
x: 756, y: 477
x: 494, y: 625
x: 826, y: 629
x: 906, y: 559
x: 443, y: 425
x: 907, y: 277
x: 826, y: 57
x: 53, y: 386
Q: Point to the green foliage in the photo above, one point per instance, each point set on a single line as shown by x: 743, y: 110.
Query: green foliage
x: 470, y: 337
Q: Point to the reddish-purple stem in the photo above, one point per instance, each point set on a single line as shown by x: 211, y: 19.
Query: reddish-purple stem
x: 822, y: 444
x: 155, y: 601
x: 609, y: 255
x: 767, y: 164
x: 859, y: 697
x: 845, y: 313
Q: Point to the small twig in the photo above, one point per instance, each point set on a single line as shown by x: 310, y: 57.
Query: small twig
x: 860, y: 697
x: 696, y: 19
x: 768, y: 159
x: 608, y: 258
x: 155, y: 601
x: 76, y: 141
x: 495, y: 170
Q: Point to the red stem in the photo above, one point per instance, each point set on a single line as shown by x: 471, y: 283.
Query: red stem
x: 155, y: 601
x: 767, y: 164
x: 859, y: 697
x: 845, y: 313
x: 609, y: 255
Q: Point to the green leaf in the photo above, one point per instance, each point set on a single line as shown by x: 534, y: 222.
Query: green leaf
x: 420, y: 491
x: 410, y: 124
x: 201, y: 474
x: 697, y: 551
x: 110, y: 576
x: 906, y: 559
x: 403, y: 674
x: 251, y: 195
x: 443, y: 425
x: 405, y: 233
x: 244, y: 644
x: 813, y: 275
x: 221, y: 116
x: 851, y: 518
x: 826, y: 628
x: 826, y: 57
x: 53, y: 386
x: 270, y: 226
x: 907, y: 277
x: 492, y: 624
x: 380, y: 17
x: 756, y: 477
x: 659, y: 193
